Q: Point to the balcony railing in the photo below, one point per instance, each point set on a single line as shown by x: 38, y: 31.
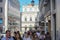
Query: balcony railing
x: 13, y: 24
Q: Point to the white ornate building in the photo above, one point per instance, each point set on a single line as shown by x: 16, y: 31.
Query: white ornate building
x: 29, y: 15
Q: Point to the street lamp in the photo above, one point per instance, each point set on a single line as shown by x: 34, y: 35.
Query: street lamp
x: 32, y: 2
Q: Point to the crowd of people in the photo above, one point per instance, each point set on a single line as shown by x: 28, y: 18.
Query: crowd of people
x: 29, y: 35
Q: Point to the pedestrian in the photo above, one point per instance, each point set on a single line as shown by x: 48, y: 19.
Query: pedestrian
x: 42, y: 36
x: 24, y: 35
x: 47, y: 36
x: 1, y: 37
x: 27, y: 36
x: 14, y: 35
x: 38, y: 33
x: 17, y: 36
x: 35, y: 37
x: 8, y: 36
x: 31, y: 34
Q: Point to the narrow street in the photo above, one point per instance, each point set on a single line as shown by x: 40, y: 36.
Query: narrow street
x: 29, y: 19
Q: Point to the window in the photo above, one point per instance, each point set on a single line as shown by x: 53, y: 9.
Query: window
x: 1, y: 20
x: 54, y: 4
x: 0, y: 0
x: 15, y: 24
x: 30, y: 18
x: 0, y: 9
x: 46, y: 24
x: 30, y: 27
x: 25, y: 10
x: 10, y: 23
x: 25, y: 19
x: 1, y: 29
x: 25, y: 27
x: 35, y: 19
x: 30, y: 9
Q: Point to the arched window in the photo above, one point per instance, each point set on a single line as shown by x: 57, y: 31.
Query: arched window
x: 30, y: 18
x: 25, y: 19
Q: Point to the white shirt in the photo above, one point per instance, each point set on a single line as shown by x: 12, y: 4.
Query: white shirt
x: 4, y: 38
x: 27, y: 38
x: 38, y: 34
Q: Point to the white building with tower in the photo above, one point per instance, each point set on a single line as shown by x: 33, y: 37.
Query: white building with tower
x: 28, y: 18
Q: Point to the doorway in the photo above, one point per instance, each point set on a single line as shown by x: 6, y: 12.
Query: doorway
x: 49, y: 26
x: 54, y: 16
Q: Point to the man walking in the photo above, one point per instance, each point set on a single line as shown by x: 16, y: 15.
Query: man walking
x: 8, y: 36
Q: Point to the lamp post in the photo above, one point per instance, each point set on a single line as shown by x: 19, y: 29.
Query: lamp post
x: 32, y: 2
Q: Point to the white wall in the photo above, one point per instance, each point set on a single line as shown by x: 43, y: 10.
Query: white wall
x: 29, y: 11
x: 58, y: 18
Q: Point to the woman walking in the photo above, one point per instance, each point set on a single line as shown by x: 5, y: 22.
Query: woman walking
x: 42, y: 36
x: 47, y: 36
x: 35, y: 36
x: 18, y: 36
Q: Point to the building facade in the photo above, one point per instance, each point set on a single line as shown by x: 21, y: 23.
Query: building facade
x: 10, y: 14
x: 50, y: 10
x: 2, y: 6
x: 14, y: 15
x: 29, y: 15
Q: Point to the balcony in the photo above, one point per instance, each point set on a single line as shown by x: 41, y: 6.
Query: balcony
x: 45, y: 3
x: 13, y: 24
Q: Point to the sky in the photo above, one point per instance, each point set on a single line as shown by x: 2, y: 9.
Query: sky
x: 25, y: 2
